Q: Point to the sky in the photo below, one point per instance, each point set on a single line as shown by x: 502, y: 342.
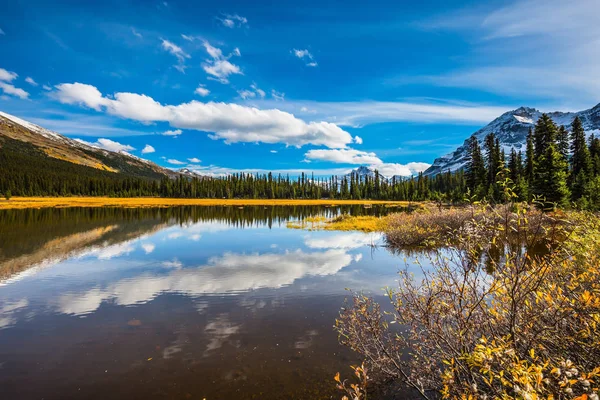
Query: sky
x: 317, y: 86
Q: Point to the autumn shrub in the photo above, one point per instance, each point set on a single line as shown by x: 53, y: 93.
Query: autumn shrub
x: 491, y: 315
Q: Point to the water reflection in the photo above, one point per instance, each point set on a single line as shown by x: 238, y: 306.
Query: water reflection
x: 202, y: 302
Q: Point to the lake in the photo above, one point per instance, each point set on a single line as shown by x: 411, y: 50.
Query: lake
x: 179, y: 303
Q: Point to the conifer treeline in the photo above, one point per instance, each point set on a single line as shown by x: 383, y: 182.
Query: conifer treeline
x: 559, y: 166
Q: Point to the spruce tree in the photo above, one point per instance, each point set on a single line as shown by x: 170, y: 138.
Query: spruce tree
x: 475, y: 173
x: 529, y: 158
x: 581, y: 162
x: 562, y: 142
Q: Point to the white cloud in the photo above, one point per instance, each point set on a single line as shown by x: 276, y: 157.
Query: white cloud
x: 246, y: 94
x: 302, y: 53
x: 136, y: 33
x: 148, y: 149
x: 175, y: 132
x: 230, y: 122
x: 9, y: 89
x: 81, y: 94
x: 278, y: 96
x: 351, y: 156
x: 392, y: 169
x: 259, y: 92
x: 148, y: 247
x: 202, y: 91
x: 194, y: 160
x: 306, y: 56
x: 274, y: 151
x: 253, y: 92
x: 46, y: 87
x: 544, y: 48
x: 7, y: 76
x: 232, y: 21
x: 175, y: 162
x: 347, y: 241
x: 14, y: 91
x: 343, y: 156
x: 218, y: 67
x: 360, y: 113
x: 108, y: 144
x: 230, y: 273
x: 178, y: 52
x: 358, y: 140
x: 31, y: 81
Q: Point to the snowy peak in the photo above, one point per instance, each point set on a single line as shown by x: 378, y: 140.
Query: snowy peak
x: 511, y: 129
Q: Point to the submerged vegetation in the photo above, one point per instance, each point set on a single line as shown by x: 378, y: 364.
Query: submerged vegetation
x: 508, y: 307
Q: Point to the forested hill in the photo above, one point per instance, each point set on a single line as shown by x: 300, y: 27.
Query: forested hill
x: 43, y: 147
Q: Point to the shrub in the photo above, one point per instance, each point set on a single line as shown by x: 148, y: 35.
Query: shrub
x: 491, y: 317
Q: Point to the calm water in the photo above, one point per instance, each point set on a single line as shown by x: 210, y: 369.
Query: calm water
x: 181, y: 303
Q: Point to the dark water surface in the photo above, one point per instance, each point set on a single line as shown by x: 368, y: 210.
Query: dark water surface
x: 178, y: 303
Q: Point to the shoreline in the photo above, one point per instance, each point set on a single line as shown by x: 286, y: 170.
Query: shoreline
x: 148, y: 202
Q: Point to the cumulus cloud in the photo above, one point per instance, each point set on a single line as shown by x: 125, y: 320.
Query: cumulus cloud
x: 194, y: 160
x: 31, y: 81
x: 175, y: 132
x: 202, y: 91
x: 343, y: 156
x: 7, y: 76
x: 230, y: 273
x: 233, y: 21
x: 9, y: 89
x: 177, y: 52
x: 393, y: 169
x: 108, y: 144
x: 218, y: 66
x: 352, y: 156
x: 13, y: 91
x: 148, y: 149
x: 175, y: 162
x: 232, y: 123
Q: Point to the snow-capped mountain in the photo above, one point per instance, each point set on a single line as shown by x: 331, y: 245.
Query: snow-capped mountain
x: 511, y: 129
x: 362, y: 172
x: 55, y: 145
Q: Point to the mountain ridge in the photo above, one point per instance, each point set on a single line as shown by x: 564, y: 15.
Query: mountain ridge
x: 57, y: 146
x: 511, y: 128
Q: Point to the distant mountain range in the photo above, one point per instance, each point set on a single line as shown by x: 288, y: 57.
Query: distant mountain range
x: 54, y: 145
x: 511, y: 128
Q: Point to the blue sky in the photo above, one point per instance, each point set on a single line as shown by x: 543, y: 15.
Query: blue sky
x: 287, y: 86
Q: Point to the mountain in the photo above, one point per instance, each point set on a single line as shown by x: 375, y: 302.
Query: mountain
x: 19, y: 135
x: 511, y: 129
x: 361, y: 172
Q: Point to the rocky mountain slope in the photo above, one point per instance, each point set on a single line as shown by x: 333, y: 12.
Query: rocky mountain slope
x: 54, y: 145
x: 511, y: 129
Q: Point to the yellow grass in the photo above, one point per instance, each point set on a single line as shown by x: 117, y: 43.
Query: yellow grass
x: 139, y: 202
x: 364, y: 223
